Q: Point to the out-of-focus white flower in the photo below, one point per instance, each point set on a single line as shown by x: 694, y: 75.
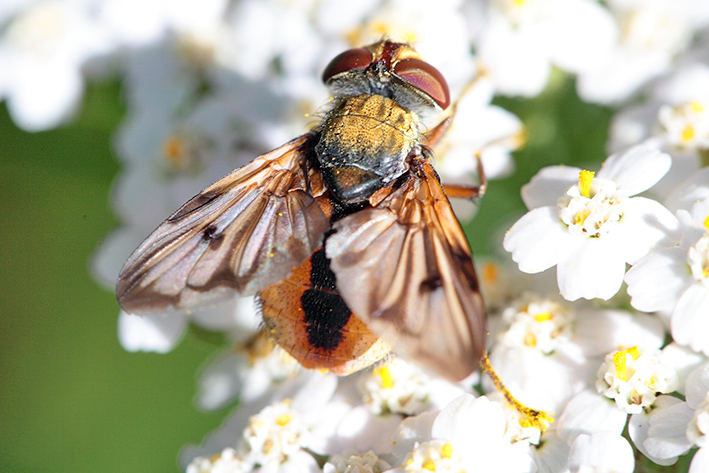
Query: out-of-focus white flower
x: 677, y: 426
x: 43, y: 48
x: 481, y: 130
x: 675, y: 115
x: 676, y: 280
x: 162, y: 332
x: 225, y: 462
x: 601, y: 451
x: 283, y: 434
x: 351, y: 462
x: 247, y: 371
x: 640, y: 54
x: 398, y: 387
x: 590, y: 226
x: 633, y: 378
x: 520, y: 40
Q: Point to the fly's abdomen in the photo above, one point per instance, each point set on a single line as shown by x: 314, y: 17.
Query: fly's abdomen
x: 364, y: 144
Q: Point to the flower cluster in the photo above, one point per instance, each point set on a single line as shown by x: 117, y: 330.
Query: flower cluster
x: 616, y: 346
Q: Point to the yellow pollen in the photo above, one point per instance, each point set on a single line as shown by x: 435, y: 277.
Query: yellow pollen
x: 385, y: 375
x: 706, y: 222
x: 580, y: 217
x: 585, y: 180
x: 620, y: 368
x: 447, y: 450
x: 687, y: 134
x: 530, y: 340
x: 542, y: 317
x: 519, y: 3
x: 283, y: 420
x: 490, y: 272
x: 697, y: 106
x: 634, y: 352
x: 429, y: 465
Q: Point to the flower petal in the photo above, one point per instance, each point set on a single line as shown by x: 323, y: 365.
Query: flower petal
x: 690, y: 323
x: 539, y: 240
x: 153, y: 333
x: 548, y: 185
x: 638, y: 169
x: 645, y: 224
x: 593, y: 271
x: 656, y: 282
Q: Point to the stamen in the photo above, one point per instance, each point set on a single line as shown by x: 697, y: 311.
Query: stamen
x: 543, y: 317
x: 386, y: 377
x: 581, y: 217
x: 687, y: 134
x: 585, y: 180
x: 619, y: 362
x: 706, y: 222
x: 283, y: 419
x: 447, y: 450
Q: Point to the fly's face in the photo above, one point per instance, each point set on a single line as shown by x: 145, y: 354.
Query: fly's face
x: 382, y: 91
x: 345, y: 233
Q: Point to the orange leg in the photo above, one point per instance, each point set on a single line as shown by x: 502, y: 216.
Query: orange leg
x: 461, y: 191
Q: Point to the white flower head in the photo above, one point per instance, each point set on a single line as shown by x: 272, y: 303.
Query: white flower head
x: 351, y: 462
x: 520, y: 40
x: 686, y: 125
x: 225, y: 462
x: 593, y: 226
x: 676, y: 280
x: 274, y: 435
x: 539, y: 323
x: 398, y: 387
x: 633, y: 378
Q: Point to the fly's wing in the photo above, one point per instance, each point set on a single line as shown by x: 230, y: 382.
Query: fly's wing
x: 238, y: 236
x: 405, y: 268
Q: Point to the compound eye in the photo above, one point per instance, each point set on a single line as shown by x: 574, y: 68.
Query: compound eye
x: 426, y: 78
x: 350, y: 60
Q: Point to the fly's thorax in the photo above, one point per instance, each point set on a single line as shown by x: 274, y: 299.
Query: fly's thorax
x: 364, y: 144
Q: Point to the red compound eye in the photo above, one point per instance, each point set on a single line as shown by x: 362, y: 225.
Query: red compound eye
x: 426, y: 78
x: 350, y: 60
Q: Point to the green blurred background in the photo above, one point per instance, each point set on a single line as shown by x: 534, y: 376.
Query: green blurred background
x: 71, y: 399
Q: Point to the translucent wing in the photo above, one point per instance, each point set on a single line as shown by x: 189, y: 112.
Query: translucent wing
x: 239, y: 235
x: 405, y: 268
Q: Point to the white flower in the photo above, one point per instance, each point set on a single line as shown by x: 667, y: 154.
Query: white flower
x: 399, y: 387
x: 351, y: 462
x: 467, y: 435
x: 675, y: 115
x: 226, y: 462
x: 283, y: 434
x: 162, y: 332
x: 544, y: 347
x: 640, y: 54
x: 633, y: 377
x: 42, y: 50
x: 676, y: 280
x: 602, y: 451
x: 520, y: 40
x: 677, y: 426
x: 248, y: 371
x: 590, y: 227
x: 479, y: 129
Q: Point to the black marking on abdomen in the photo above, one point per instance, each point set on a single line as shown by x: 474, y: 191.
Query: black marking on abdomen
x: 326, y: 314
